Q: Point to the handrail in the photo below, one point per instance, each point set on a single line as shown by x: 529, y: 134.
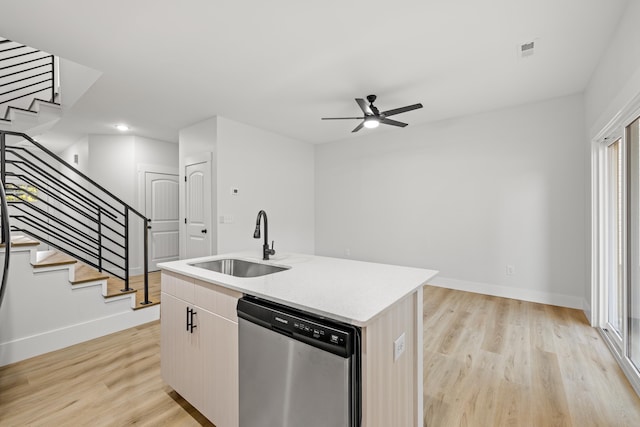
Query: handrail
x: 6, y: 240
x: 77, y: 215
x: 29, y: 167
x: 74, y: 170
x: 17, y: 57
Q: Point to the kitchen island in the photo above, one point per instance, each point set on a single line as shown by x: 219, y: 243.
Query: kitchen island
x: 385, y: 301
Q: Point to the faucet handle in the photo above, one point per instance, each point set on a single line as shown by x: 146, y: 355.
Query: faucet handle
x: 272, y: 251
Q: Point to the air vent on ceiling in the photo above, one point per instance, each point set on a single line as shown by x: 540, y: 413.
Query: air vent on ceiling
x: 527, y: 49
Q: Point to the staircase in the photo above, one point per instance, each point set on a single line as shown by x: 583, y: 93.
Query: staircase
x: 53, y: 301
x: 82, y: 275
x: 29, y: 89
x: 74, y: 246
x: 78, y: 253
x: 53, y: 203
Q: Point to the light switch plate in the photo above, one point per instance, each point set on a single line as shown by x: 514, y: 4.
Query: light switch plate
x: 226, y: 219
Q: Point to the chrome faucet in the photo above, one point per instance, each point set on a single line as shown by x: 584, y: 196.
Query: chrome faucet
x: 256, y: 235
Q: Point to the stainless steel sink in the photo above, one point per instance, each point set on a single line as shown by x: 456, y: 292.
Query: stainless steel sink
x: 239, y: 268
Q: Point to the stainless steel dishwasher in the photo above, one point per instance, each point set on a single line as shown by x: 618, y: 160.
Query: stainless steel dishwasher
x: 296, y: 369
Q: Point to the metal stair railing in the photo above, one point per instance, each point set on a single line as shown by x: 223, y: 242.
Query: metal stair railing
x: 60, y: 206
x: 5, y: 239
x: 25, y: 73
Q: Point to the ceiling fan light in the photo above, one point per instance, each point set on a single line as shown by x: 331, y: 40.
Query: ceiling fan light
x: 371, y: 123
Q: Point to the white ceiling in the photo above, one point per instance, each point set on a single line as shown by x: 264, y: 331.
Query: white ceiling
x: 281, y: 65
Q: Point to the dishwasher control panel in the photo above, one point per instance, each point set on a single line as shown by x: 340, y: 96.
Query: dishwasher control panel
x: 320, y: 332
x: 302, y: 326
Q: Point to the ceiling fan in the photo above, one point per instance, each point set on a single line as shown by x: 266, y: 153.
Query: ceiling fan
x: 373, y: 117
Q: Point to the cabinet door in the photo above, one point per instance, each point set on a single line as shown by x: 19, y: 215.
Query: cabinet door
x: 220, y: 357
x: 180, y: 359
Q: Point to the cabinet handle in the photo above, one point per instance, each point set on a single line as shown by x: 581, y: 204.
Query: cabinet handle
x: 193, y: 312
x: 190, y: 325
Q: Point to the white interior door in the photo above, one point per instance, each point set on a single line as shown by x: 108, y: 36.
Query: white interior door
x: 161, y: 208
x: 198, y: 209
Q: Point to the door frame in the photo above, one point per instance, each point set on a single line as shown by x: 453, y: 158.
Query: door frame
x: 597, y: 311
x: 142, y: 169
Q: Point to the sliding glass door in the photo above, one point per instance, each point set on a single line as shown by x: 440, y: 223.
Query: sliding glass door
x: 633, y: 290
x: 620, y: 249
x: 615, y: 238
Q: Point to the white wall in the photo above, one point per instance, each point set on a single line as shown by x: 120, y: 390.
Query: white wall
x: 616, y: 79
x: 271, y: 172
x: 467, y: 197
x: 42, y: 311
x: 81, y: 149
x: 112, y: 164
x: 75, y: 81
x: 155, y: 152
x: 113, y: 161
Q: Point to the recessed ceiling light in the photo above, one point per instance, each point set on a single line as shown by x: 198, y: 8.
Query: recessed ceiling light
x: 122, y: 127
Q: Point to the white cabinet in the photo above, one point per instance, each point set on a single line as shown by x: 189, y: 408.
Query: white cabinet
x: 199, y: 345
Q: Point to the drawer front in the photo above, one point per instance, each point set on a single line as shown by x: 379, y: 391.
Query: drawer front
x: 217, y: 300
x: 179, y: 286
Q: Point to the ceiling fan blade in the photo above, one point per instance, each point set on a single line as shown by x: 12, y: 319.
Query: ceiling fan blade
x: 401, y: 110
x: 342, y: 118
x: 363, y: 106
x: 393, y: 122
x: 360, y: 126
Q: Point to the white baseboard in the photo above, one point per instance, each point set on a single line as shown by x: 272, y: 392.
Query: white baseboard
x: 24, y: 348
x: 509, y: 292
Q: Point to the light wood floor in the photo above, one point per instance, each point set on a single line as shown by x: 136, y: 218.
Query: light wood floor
x: 500, y: 362
x: 110, y: 381
x: 488, y: 362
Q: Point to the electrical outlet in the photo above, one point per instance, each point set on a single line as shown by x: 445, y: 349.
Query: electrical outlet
x: 347, y: 252
x: 511, y: 270
x: 398, y: 347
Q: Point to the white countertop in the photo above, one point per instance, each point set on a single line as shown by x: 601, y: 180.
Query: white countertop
x: 350, y: 291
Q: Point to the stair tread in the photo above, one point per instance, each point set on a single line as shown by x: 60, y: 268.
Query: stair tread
x: 23, y: 241
x: 154, y: 290
x: 136, y: 283
x: 115, y: 286
x: 85, y: 273
x: 52, y: 258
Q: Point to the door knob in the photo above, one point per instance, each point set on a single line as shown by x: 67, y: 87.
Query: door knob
x: 204, y: 231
